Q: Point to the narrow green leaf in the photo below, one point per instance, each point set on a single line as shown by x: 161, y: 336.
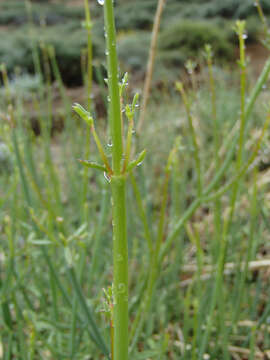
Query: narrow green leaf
x: 136, y: 162
x: 85, y: 115
x: 93, y: 165
x: 97, y: 338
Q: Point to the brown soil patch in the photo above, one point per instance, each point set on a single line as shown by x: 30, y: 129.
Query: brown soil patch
x: 258, y: 54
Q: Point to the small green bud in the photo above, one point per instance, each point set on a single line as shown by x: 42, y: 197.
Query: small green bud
x: 85, y: 115
x: 123, y: 84
x: 190, y: 66
x: 208, y: 53
x: 2, y: 67
x: 129, y: 112
x: 136, y: 162
x: 179, y: 86
x: 240, y: 27
x: 135, y: 101
x: 125, y: 79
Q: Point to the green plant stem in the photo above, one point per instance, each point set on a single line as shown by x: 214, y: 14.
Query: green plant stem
x: 81, y: 299
x: 118, y: 188
x: 230, y: 142
x: 88, y: 25
x: 143, y: 216
x: 218, y: 176
x: 243, y: 101
x: 217, y: 287
x: 181, y: 222
x: 195, y: 145
x: 114, y: 96
x: 240, y: 28
x: 89, y: 81
x: 214, y: 106
x: 98, y: 238
x: 262, y: 17
x: 217, y: 205
x: 244, y: 273
x: 120, y: 259
x: 93, y: 333
x: 146, y: 301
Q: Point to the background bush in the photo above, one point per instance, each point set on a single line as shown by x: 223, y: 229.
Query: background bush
x: 180, y: 37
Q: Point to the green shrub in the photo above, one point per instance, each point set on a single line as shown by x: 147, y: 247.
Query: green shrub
x: 133, y: 50
x: 189, y: 37
x: 24, y: 86
x: 232, y: 9
x: 181, y: 37
x: 136, y: 15
x: 130, y: 12
x: 16, y: 48
x: 177, y: 43
x: 15, y: 13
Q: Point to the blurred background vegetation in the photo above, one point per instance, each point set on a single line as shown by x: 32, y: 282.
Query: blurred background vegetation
x: 41, y: 173
x: 60, y: 24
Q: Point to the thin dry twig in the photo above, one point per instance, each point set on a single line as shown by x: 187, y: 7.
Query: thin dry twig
x: 228, y: 269
x: 150, y: 64
x: 253, y: 265
x: 238, y: 350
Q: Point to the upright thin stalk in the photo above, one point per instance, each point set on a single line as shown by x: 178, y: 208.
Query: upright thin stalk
x: 116, y: 174
x: 195, y: 145
x: 212, y: 86
x: 240, y: 29
x: 146, y: 301
x: 88, y: 25
x: 150, y: 64
x: 118, y: 187
x: 89, y: 78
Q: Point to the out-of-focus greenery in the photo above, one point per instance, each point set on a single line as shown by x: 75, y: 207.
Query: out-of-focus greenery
x: 56, y: 232
x: 181, y: 36
x: 42, y: 174
x: 15, y: 12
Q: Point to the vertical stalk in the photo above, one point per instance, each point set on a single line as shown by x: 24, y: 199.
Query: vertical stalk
x: 240, y: 29
x: 118, y: 188
x: 146, y: 301
x: 195, y: 144
x: 120, y: 276
x: 88, y: 25
x: 89, y: 81
x: 212, y: 88
x: 114, y: 95
x: 217, y: 204
x: 150, y: 64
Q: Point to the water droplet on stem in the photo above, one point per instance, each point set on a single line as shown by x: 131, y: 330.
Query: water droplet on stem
x: 107, y: 177
x: 121, y: 288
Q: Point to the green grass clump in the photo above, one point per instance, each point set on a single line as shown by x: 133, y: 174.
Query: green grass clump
x: 179, y: 41
x: 15, y: 13
x: 133, y: 50
x: 16, y: 49
x: 188, y: 36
